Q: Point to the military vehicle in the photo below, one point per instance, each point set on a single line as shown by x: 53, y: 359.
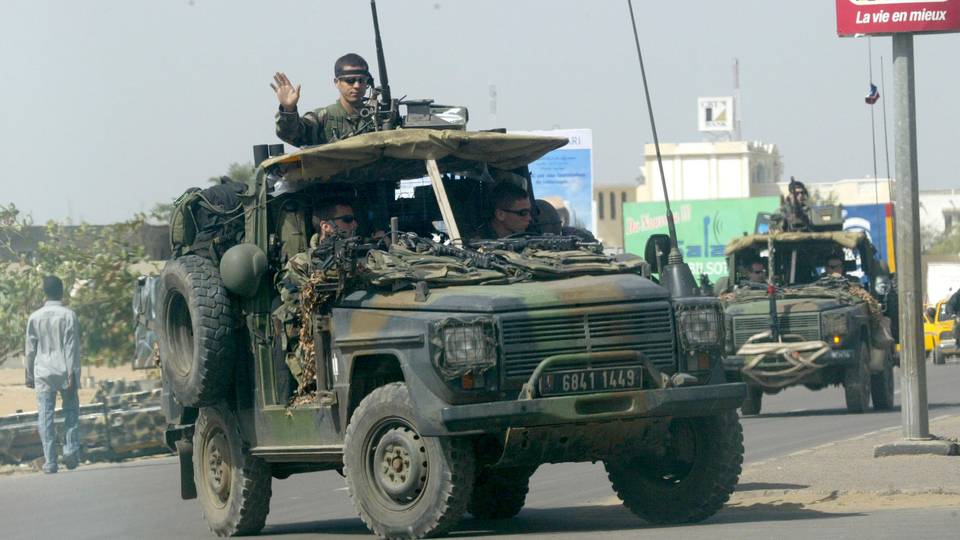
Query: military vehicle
x: 123, y: 420
x: 146, y: 343
x: 434, y: 369
x: 801, y: 327
x: 437, y: 376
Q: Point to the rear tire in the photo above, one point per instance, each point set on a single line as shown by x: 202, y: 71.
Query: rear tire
x: 693, y: 478
x: 500, y: 493
x: 198, y: 337
x: 404, y: 485
x: 233, y: 487
x: 856, y: 381
x: 752, y: 402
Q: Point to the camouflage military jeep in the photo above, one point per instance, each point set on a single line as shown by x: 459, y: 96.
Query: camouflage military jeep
x: 436, y: 375
x: 805, y: 328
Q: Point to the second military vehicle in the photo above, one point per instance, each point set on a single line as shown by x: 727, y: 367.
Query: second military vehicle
x: 804, y: 324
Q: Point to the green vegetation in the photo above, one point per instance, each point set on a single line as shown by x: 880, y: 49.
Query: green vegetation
x: 93, y: 263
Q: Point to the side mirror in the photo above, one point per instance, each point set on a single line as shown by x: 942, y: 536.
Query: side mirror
x: 657, y: 251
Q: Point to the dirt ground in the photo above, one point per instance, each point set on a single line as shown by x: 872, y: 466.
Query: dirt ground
x: 14, y: 396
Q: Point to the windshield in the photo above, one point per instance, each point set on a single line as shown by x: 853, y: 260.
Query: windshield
x: 349, y: 226
x: 801, y: 263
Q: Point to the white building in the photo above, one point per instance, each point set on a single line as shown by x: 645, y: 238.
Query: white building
x: 711, y: 170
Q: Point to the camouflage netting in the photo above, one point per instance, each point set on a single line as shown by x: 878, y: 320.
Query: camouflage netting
x: 838, y: 288
x: 311, y: 280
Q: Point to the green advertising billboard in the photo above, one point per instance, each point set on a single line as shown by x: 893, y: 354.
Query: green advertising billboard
x: 703, y: 228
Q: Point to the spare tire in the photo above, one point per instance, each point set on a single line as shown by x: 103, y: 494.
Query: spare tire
x: 198, y: 338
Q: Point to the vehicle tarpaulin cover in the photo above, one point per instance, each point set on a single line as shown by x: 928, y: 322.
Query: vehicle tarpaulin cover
x: 500, y: 150
x: 844, y: 238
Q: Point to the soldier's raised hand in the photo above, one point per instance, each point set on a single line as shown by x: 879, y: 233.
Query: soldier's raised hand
x: 287, y: 94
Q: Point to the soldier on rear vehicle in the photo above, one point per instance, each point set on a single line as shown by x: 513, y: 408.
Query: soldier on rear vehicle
x: 341, y: 119
x: 794, y: 211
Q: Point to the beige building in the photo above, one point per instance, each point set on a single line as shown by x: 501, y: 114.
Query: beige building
x: 608, y: 200
x: 711, y: 170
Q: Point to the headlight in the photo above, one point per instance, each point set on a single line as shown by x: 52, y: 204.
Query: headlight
x: 700, y: 327
x: 467, y: 347
x: 833, y: 323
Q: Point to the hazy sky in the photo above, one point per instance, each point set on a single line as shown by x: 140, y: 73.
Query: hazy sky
x: 109, y: 106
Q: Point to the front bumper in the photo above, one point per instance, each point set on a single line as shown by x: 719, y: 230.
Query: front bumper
x: 579, y: 409
x: 834, y: 357
x: 948, y: 347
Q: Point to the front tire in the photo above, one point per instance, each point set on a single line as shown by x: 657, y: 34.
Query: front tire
x: 856, y: 381
x: 233, y: 487
x: 692, y: 479
x: 404, y: 485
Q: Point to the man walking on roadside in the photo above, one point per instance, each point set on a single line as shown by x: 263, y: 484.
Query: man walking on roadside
x: 53, y: 365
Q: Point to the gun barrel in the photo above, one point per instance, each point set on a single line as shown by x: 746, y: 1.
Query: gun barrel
x: 381, y: 62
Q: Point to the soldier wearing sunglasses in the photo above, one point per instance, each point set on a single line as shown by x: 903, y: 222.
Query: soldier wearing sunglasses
x: 339, y: 120
x: 335, y: 218
x: 512, y: 213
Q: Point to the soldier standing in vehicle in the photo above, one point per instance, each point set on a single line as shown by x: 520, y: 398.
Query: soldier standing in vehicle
x: 793, y: 214
x: 341, y: 119
x: 53, y: 365
x: 512, y: 212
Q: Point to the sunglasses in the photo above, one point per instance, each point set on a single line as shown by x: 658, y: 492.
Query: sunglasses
x: 837, y: 266
x: 348, y: 218
x: 522, y: 213
x: 350, y: 81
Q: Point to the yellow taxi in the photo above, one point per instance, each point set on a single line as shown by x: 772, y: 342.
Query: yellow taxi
x: 938, y: 339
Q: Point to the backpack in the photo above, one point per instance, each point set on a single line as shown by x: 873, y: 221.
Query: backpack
x: 208, y: 221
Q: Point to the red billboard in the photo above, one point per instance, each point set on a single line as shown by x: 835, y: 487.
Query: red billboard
x: 885, y: 17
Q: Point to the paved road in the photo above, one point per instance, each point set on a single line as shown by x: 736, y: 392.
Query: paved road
x: 140, y: 499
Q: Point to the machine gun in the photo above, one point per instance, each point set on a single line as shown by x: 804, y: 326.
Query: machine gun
x: 549, y: 243
x: 483, y: 261
x: 382, y: 111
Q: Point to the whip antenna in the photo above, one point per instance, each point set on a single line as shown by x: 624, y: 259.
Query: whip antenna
x: 675, y: 255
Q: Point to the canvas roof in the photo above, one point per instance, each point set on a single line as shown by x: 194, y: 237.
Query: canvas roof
x: 400, y: 153
x: 847, y: 239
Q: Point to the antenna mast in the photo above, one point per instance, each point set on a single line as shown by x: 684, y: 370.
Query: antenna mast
x: 675, y: 255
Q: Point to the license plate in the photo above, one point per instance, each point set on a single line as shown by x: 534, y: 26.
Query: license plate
x: 582, y: 381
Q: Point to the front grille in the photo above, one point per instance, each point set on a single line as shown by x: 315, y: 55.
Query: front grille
x: 806, y: 325
x: 647, y: 328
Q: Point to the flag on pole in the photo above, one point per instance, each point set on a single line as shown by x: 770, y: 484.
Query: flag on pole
x: 873, y: 96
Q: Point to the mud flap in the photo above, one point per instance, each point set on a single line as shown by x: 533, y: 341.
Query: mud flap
x: 878, y: 359
x: 188, y: 488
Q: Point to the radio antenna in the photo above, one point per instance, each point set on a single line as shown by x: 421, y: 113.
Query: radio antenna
x: 675, y: 256
x: 386, y: 98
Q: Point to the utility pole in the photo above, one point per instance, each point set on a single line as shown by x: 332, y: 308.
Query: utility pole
x: 913, y: 368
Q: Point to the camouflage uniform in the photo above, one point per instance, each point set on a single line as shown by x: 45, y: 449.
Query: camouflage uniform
x: 325, y: 125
